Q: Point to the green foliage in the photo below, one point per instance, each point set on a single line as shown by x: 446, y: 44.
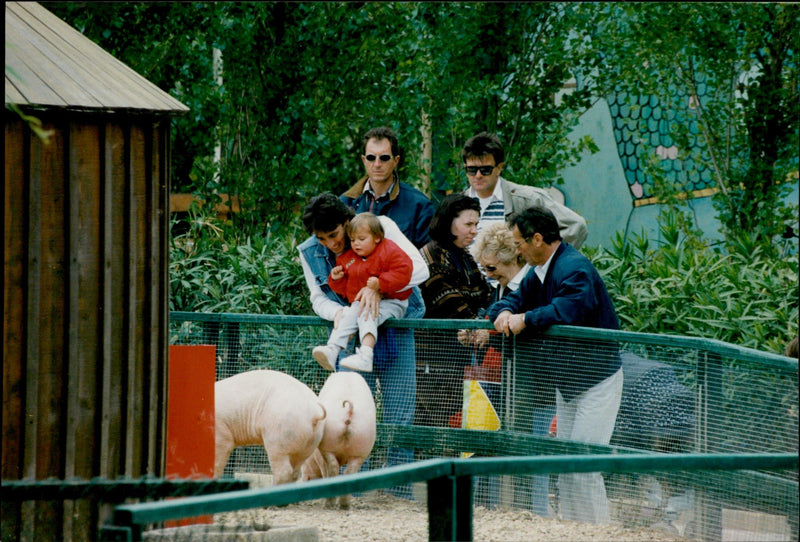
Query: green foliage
x: 215, y: 269
x: 743, y: 295
x: 302, y: 83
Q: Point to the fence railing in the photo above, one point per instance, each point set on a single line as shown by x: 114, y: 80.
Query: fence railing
x: 681, y: 395
x: 449, y: 484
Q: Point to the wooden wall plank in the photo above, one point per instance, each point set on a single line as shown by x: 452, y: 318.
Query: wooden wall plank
x: 83, y: 299
x: 50, y: 377
x: 14, y: 318
x: 163, y: 160
x: 113, y: 337
x: 139, y: 386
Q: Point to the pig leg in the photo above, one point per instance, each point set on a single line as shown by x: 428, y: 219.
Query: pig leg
x: 222, y: 449
x: 282, y: 470
x: 331, y: 468
x: 353, y: 466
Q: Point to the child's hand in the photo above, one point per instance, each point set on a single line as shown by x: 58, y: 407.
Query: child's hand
x: 374, y: 284
x: 337, y: 273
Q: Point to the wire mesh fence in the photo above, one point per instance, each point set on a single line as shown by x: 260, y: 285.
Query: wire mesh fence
x: 679, y: 395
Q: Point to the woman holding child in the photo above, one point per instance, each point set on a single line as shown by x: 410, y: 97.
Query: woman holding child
x: 326, y: 219
x: 372, y: 262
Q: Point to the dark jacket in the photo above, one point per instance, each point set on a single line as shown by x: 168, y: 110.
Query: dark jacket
x: 456, y: 288
x: 572, y: 294
x: 407, y: 206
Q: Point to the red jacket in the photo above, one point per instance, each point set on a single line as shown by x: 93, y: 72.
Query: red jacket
x: 388, y: 262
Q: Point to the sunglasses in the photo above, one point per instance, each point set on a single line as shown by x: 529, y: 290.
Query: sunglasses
x: 485, y: 170
x: 383, y: 157
x: 490, y: 268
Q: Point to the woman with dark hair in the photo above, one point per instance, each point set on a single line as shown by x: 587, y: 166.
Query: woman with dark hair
x: 456, y: 288
x: 326, y: 219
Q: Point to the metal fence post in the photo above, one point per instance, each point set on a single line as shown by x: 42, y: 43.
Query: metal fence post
x: 450, y: 508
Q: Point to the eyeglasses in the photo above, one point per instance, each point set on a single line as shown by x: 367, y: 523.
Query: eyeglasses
x: 490, y: 268
x: 383, y: 157
x: 485, y: 170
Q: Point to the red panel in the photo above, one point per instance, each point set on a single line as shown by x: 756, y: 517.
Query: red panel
x: 190, y: 416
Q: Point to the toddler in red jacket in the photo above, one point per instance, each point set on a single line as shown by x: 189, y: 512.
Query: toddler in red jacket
x: 374, y: 262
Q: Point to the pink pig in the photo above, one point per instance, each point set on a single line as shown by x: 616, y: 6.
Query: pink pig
x: 269, y: 408
x: 349, y: 430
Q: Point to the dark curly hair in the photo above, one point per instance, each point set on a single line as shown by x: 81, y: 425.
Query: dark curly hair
x: 325, y: 213
x: 442, y: 221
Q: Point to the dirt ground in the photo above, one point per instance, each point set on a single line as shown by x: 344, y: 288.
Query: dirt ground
x: 377, y: 517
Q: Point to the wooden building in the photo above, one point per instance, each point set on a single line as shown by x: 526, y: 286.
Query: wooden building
x: 85, y: 283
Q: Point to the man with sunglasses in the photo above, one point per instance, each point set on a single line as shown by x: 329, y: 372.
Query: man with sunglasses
x: 381, y: 192
x: 483, y: 157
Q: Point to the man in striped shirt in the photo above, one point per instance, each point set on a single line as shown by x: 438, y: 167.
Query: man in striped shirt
x: 483, y: 157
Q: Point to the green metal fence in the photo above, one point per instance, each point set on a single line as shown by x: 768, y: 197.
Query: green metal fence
x: 449, y: 486
x: 682, y: 395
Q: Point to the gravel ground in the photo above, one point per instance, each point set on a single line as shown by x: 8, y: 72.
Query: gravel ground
x: 378, y: 517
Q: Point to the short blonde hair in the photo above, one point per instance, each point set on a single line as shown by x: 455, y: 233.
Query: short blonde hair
x: 368, y: 221
x: 495, y: 239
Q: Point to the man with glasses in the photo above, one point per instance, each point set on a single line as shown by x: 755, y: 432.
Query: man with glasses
x: 564, y: 288
x: 381, y: 192
x: 483, y: 157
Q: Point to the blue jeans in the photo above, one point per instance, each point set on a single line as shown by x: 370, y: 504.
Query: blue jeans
x: 540, y: 483
x: 395, y: 368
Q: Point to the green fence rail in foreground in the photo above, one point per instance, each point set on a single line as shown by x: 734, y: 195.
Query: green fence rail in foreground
x: 449, y: 484
x: 681, y: 395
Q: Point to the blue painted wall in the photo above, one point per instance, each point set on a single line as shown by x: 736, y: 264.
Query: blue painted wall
x: 597, y: 189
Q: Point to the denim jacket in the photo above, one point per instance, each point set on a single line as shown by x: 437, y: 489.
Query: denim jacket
x: 321, y: 260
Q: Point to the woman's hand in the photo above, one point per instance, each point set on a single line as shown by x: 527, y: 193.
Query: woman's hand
x: 477, y: 337
x: 481, y: 337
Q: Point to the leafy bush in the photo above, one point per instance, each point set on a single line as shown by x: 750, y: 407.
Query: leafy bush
x: 213, y: 270
x: 743, y: 293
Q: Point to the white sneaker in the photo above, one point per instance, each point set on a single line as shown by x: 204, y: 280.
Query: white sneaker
x: 326, y: 356
x: 360, y: 361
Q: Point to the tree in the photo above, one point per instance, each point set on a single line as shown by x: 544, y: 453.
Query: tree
x: 738, y: 63
x: 302, y: 82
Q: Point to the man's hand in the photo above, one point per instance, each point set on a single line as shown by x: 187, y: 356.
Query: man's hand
x: 501, y: 322
x: 507, y: 323
x: 516, y: 323
x: 370, y: 300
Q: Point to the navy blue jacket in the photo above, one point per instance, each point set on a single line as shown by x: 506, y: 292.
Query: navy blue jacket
x: 572, y: 294
x: 407, y: 206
